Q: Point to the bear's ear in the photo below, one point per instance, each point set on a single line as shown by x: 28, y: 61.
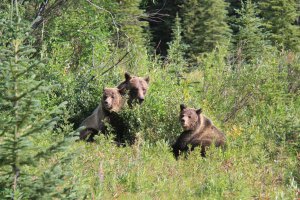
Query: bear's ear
x: 147, y: 79
x: 127, y: 76
x: 182, y: 107
x: 104, y: 89
x: 122, y: 91
x: 199, y: 111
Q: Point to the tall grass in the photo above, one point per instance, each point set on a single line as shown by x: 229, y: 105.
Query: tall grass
x: 250, y: 103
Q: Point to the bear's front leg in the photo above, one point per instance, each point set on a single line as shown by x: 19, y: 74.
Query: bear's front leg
x: 88, y: 134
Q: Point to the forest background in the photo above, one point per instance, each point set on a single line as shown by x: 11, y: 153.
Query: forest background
x: 237, y: 60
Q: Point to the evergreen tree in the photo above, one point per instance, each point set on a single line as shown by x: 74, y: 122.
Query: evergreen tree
x: 250, y: 39
x: 129, y: 17
x: 176, y: 61
x: 193, y: 26
x: 233, y: 6
x: 280, y: 20
x: 205, y: 25
x: 161, y: 15
x: 24, y: 120
x: 232, y: 14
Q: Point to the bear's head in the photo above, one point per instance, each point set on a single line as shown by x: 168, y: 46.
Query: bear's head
x: 189, y: 118
x: 137, y: 87
x: 112, y: 99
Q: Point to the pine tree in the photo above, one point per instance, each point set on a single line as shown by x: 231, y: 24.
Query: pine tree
x: 131, y: 35
x: 23, y: 119
x: 176, y: 60
x: 250, y: 39
x: 193, y: 26
x: 205, y: 25
x: 280, y: 20
x: 233, y: 6
x: 161, y: 18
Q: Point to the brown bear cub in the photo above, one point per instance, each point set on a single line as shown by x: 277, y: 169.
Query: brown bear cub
x: 111, y: 102
x: 198, y: 131
x: 137, y: 87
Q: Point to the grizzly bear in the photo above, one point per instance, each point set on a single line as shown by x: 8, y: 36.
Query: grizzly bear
x: 137, y: 87
x: 198, y: 131
x: 111, y: 102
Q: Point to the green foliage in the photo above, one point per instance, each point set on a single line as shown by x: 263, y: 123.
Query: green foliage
x: 150, y: 171
x: 250, y: 39
x: 132, y: 36
x: 255, y: 103
x: 176, y: 61
x: 157, y: 117
x: 24, y: 120
x: 81, y: 41
x: 84, y: 43
x: 205, y: 25
x: 279, y: 18
x: 161, y: 17
x: 80, y: 51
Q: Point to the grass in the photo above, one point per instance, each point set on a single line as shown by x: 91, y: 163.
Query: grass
x: 149, y: 171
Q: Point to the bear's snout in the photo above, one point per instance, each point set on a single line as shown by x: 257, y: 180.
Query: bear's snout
x: 141, y: 99
x: 183, y: 122
x: 107, y: 104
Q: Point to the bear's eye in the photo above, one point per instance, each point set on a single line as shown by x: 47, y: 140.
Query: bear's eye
x: 190, y: 116
x: 113, y: 96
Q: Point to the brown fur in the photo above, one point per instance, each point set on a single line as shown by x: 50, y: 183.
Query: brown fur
x: 198, y: 131
x: 137, y: 87
x: 111, y: 102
